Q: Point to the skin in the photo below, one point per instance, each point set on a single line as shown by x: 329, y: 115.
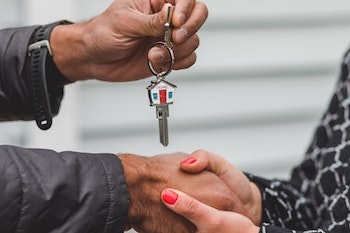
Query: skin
x: 246, y: 213
x: 208, y: 219
x: 247, y: 194
x: 113, y: 46
x: 148, y: 176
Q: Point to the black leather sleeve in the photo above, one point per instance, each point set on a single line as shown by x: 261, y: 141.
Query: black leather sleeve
x: 43, y: 191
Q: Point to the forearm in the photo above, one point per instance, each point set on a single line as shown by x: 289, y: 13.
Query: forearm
x: 15, y: 96
x: 68, y: 44
x: 68, y: 192
x: 17, y: 100
x: 279, y: 206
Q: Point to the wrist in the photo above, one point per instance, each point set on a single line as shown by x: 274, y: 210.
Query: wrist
x: 256, y: 204
x: 135, y: 168
x: 68, y: 51
x: 46, y: 81
x: 254, y: 229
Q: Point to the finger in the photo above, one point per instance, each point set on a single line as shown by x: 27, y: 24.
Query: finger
x: 182, y: 11
x: 186, y: 48
x: 194, y: 164
x: 158, y: 55
x: 201, y: 159
x: 191, y: 26
x: 228, y: 173
x: 221, y: 167
x: 195, y: 211
x: 214, y: 162
x: 185, y: 55
x: 185, y: 62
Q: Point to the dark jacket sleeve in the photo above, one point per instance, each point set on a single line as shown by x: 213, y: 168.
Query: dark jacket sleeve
x: 43, y: 191
x: 15, y: 94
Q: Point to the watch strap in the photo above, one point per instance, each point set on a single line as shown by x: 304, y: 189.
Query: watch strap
x: 42, y: 73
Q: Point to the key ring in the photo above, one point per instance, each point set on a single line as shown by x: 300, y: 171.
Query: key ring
x: 172, y: 60
x: 161, y: 93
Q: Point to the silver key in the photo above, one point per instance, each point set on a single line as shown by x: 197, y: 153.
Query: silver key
x: 161, y: 92
x: 167, y: 34
x: 162, y: 112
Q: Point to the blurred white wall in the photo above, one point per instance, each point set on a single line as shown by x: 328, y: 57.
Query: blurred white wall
x: 264, y: 75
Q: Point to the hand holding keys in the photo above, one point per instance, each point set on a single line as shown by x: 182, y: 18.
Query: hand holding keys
x: 161, y: 92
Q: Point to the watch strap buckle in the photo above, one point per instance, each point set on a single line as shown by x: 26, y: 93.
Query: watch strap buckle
x: 39, y: 45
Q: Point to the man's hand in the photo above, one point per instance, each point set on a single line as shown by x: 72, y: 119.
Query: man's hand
x: 113, y: 46
x: 246, y: 194
x: 207, y: 219
x: 148, y: 176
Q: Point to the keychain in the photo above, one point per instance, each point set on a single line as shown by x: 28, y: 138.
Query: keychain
x: 161, y: 92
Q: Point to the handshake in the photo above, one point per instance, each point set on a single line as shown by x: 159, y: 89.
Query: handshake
x: 180, y: 193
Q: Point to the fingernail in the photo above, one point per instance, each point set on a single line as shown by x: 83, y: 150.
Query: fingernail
x: 188, y: 160
x: 169, y: 196
x: 182, y: 34
x: 181, y: 18
x: 157, y: 56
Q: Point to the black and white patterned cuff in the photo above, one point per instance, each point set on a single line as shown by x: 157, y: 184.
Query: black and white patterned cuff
x: 267, y: 228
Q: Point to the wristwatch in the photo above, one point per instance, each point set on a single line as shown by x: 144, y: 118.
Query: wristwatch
x: 43, y: 72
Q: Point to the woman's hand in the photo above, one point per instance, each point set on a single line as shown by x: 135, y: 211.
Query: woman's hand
x: 206, y: 218
x: 247, y: 195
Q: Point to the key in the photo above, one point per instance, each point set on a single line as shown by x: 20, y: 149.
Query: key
x: 162, y: 112
x: 167, y: 34
x: 161, y: 92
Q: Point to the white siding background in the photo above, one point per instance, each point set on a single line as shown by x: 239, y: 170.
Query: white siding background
x: 264, y: 75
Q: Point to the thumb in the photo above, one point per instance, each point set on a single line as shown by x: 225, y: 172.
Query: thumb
x: 195, y: 211
x: 155, y: 24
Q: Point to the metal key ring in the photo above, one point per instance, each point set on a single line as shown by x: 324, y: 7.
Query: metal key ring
x: 172, y: 60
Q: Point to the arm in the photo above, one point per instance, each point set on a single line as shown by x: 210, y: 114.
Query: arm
x: 317, y: 194
x: 16, y: 101
x: 44, y: 191
x: 148, y: 176
x: 284, y: 204
x: 112, y: 46
x: 209, y: 220
x: 278, y: 203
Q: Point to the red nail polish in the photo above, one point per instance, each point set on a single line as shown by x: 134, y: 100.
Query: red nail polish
x: 169, y: 196
x: 189, y: 160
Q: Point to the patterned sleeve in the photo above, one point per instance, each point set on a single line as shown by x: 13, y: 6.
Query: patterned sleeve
x: 267, y: 228
x: 285, y: 210
x: 317, y: 196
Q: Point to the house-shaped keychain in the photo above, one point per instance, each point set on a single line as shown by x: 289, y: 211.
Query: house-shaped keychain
x: 161, y: 92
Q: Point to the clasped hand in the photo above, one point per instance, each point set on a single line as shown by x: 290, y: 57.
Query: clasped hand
x: 216, y: 183
x: 245, y: 217
x: 148, y: 176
